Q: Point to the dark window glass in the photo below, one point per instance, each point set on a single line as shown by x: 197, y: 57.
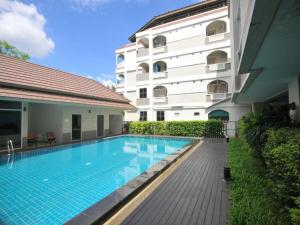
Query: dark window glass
x: 10, y: 105
x: 143, y: 116
x: 196, y: 114
x: 10, y: 128
x: 160, y: 115
x: 143, y: 93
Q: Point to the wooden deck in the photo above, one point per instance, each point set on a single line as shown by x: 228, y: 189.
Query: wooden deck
x: 194, y: 193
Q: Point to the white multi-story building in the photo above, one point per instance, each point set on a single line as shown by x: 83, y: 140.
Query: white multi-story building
x: 178, y: 66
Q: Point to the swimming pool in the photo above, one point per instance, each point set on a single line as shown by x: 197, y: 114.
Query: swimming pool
x: 52, y: 185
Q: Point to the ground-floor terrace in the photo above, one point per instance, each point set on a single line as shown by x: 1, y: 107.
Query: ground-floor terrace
x: 34, y: 124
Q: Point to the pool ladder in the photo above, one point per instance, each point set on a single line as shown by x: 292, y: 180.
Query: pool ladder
x: 10, y: 147
x: 11, y: 152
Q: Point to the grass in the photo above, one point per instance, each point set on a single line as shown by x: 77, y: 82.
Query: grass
x: 250, y: 201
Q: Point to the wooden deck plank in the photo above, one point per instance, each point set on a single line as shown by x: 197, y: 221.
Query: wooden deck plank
x: 194, y: 193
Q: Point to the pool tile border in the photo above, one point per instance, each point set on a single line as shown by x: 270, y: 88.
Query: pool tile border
x: 105, y: 208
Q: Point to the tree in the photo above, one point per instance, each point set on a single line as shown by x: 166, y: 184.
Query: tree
x: 10, y: 50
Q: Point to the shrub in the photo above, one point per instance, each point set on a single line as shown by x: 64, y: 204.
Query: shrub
x: 282, y: 158
x: 295, y: 213
x: 210, y: 128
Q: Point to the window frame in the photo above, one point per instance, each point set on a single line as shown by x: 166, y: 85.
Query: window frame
x: 143, y: 116
x: 160, y: 116
x: 143, y: 92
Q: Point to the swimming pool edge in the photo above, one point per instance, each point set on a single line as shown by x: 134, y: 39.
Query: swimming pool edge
x: 107, y: 207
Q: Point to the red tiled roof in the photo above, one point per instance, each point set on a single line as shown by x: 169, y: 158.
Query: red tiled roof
x: 35, y: 81
x: 8, y: 92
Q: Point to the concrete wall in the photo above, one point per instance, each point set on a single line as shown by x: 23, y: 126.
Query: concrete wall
x: 44, y: 118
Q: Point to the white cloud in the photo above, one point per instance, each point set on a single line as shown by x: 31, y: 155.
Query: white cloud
x: 23, y: 26
x: 106, y: 79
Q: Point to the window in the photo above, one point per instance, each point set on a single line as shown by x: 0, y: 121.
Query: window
x: 143, y: 116
x: 143, y: 93
x: 159, y: 66
x: 196, y: 114
x: 160, y: 115
x: 159, y: 41
x: 177, y: 114
x: 120, y: 59
x: 217, y: 86
x: 159, y: 91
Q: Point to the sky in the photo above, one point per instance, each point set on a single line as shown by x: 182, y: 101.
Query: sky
x: 77, y: 36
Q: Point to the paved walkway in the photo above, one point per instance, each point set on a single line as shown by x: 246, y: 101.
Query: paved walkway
x: 194, y: 193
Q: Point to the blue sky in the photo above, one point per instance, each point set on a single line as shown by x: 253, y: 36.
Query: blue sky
x: 77, y: 36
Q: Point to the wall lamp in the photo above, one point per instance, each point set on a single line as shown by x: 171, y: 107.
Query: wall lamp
x: 24, y: 109
x: 90, y: 111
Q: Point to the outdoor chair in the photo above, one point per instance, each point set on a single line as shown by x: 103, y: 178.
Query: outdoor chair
x: 32, y: 138
x: 51, y: 137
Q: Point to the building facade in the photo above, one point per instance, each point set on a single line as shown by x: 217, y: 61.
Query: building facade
x: 178, y: 66
x: 265, y: 54
x: 36, y: 100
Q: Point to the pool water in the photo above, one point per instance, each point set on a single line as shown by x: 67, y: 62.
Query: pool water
x: 52, y: 185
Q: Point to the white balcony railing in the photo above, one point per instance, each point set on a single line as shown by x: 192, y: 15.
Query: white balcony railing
x: 142, y: 77
x: 216, y: 67
x: 141, y: 52
x: 160, y: 74
x: 120, y: 85
x: 121, y: 65
x: 217, y: 96
x: 142, y: 101
x: 216, y: 37
x: 159, y: 100
x: 161, y: 49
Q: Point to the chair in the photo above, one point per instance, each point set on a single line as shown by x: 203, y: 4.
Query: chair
x: 32, y: 138
x: 51, y: 137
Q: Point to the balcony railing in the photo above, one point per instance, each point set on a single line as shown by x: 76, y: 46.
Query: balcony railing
x: 142, y: 77
x: 161, y: 49
x: 120, y: 85
x: 120, y: 65
x: 218, y: 66
x: 160, y: 100
x: 160, y: 74
x: 216, y: 96
x: 217, y: 37
x: 141, y: 52
x: 142, y: 101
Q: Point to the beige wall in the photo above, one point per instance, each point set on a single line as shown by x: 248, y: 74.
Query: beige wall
x: 44, y: 118
x: 186, y: 98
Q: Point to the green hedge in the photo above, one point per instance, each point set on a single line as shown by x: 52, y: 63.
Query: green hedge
x: 210, y: 128
x: 280, y: 154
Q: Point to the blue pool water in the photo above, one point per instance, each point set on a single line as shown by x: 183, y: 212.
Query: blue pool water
x: 50, y: 186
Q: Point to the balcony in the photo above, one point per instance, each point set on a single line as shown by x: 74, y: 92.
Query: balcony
x: 216, y: 96
x: 142, y: 77
x: 157, y: 75
x: 159, y: 50
x: 160, y: 100
x: 218, y: 67
x: 217, y: 37
x: 142, y: 101
x: 120, y: 65
x: 142, y: 52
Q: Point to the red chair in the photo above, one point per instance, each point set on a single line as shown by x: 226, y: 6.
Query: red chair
x: 51, y: 137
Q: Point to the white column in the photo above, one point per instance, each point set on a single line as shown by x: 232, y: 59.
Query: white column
x: 24, y: 125
x: 294, y: 97
x: 150, y: 87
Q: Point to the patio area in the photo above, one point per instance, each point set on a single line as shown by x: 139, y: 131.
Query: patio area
x: 195, y: 193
